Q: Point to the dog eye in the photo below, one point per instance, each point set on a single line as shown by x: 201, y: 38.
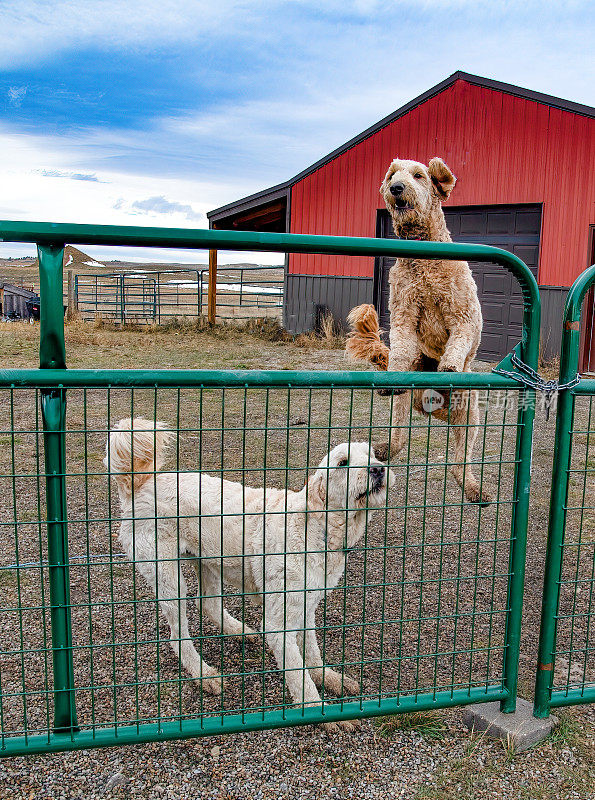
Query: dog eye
x: 342, y: 463
x: 418, y: 175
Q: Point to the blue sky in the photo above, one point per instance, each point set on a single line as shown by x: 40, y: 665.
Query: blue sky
x: 152, y: 113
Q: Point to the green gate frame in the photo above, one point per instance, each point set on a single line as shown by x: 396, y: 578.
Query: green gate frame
x: 53, y: 380
x: 545, y: 697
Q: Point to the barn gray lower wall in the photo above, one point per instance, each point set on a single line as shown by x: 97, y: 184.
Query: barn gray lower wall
x: 337, y: 294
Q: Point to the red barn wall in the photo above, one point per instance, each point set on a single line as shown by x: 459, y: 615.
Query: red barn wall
x: 502, y: 148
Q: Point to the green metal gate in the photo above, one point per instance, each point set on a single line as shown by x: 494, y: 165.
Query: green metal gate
x: 566, y: 665
x: 427, y: 613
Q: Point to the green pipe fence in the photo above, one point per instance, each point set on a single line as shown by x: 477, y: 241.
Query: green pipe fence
x: 566, y: 664
x: 246, y: 288
x: 140, y: 295
x: 426, y: 614
x: 158, y: 296
x: 151, y: 296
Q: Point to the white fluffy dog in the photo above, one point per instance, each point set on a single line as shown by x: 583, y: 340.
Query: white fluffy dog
x: 275, y: 544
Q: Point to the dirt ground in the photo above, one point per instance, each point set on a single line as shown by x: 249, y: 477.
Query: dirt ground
x: 431, y: 581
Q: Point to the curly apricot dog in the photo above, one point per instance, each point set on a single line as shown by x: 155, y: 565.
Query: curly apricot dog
x: 435, y: 316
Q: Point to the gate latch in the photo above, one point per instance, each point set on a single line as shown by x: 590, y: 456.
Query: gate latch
x: 533, y: 380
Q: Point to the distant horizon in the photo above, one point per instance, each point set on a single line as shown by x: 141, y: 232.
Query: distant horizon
x: 33, y: 258
x: 158, y: 256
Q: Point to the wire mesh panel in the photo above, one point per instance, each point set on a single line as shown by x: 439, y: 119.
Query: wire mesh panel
x: 248, y: 292
x: 419, y: 612
x: 575, y: 646
x: 566, y: 667
x: 26, y: 680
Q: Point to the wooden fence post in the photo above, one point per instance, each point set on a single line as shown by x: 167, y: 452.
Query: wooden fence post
x: 72, y: 306
x: 212, y: 296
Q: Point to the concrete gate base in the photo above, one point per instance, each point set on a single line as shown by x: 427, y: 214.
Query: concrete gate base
x: 520, y: 730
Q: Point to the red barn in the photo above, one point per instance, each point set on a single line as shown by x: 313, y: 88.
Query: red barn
x: 525, y: 164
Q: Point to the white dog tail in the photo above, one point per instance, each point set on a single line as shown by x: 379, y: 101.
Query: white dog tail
x: 136, y: 449
x: 364, y: 342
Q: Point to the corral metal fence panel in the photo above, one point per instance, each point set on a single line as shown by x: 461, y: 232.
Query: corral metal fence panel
x: 246, y: 292
x: 155, y: 297
x: 427, y: 608
x: 140, y: 296
x: 566, y: 666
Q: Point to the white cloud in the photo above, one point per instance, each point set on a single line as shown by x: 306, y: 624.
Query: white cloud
x: 73, y: 176
x: 33, y: 30
x: 286, y: 134
x: 159, y: 205
x: 16, y: 95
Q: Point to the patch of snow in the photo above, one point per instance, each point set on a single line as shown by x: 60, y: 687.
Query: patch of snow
x: 70, y: 259
x: 231, y: 287
x: 236, y: 287
x: 92, y: 263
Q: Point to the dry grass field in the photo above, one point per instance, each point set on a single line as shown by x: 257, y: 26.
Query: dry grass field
x: 429, y: 580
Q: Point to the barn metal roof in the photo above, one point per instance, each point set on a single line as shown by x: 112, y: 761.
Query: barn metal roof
x: 282, y: 189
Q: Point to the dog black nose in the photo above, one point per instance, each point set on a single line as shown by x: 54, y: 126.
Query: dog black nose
x: 397, y: 189
x: 377, y: 472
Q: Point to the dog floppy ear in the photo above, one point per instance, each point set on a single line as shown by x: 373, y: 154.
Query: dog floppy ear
x: 316, y: 492
x: 443, y: 180
x: 136, y: 448
x: 391, y: 171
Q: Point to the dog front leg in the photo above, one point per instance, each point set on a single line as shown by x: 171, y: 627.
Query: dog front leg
x: 405, y: 356
x: 405, y: 347
x: 465, y: 419
x: 399, y: 428
x: 461, y: 342
x: 299, y: 682
x: 282, y: 620
x: 333, y: 681
x: 289, y: 660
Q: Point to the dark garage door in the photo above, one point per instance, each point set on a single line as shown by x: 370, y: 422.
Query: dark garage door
x: 513, y: 228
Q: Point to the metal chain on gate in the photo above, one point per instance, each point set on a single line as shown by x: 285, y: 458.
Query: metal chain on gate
x: 529, y: 377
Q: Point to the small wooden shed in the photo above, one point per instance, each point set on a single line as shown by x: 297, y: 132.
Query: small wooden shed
x: 15, y: 301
